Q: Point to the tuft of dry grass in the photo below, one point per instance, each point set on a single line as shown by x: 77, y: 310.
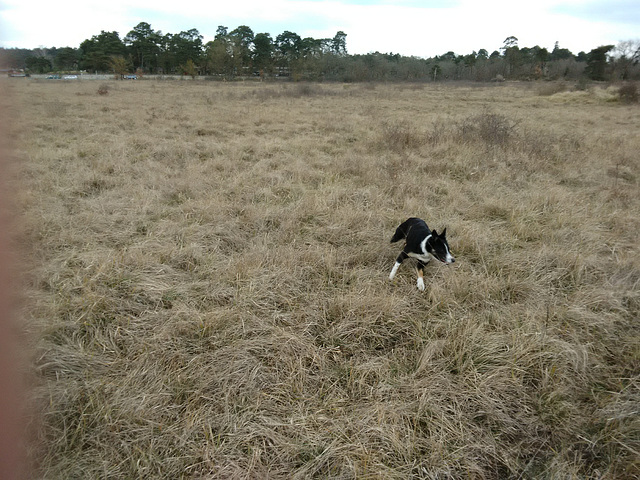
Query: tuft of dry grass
x: 628, y: 93
x: 493, y: 129
x: 551, y: 88
x: 206, y: 281
x: 401, y: 135
x: 103, y: 89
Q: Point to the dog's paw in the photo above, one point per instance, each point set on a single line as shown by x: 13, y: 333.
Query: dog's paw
x: 420, y: 284
x: 394, y: 270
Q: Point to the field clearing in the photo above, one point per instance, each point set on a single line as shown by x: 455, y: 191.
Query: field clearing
x: 208, y: 295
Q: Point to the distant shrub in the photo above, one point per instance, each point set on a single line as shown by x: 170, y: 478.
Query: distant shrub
x: 582, y: 84
x: 438, y: 134
x: 628, y: 93
x: 305, y: 90
x: 490, y: 128
x: 300, y: 90
x: 551, y: 88
x: 103, y: 89
x: 401, y: 135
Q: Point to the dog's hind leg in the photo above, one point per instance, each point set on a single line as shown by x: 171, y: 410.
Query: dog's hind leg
x: 420, y: 282
x: 399, y: 261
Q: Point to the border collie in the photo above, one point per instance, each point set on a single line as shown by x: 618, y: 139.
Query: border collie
x: 422, y: 244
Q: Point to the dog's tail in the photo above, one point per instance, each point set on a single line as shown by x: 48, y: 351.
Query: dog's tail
x: 402, y: 230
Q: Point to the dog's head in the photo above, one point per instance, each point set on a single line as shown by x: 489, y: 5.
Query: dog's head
x: 439, y: 248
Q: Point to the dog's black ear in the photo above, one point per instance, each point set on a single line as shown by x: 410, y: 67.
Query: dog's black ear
x: 434, y: 233
x: 444, y: 233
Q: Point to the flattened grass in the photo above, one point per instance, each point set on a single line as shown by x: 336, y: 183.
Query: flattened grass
x: 207, y: 281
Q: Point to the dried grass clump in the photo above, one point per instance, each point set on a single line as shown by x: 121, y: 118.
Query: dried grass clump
x: 103, y: 89
x: 628, y: 93
x: 298, y: 90
x: 401, y: 135
x: 493, y: 129
x: 551, y: 88
x: 608, y: 94
x: 207, y: 295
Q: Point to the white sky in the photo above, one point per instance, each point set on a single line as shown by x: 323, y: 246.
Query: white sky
x: 422, y: 28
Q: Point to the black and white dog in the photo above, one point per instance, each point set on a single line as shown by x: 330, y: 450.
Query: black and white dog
x: 421, y: 244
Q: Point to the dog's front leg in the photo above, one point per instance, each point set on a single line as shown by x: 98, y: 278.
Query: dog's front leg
x: 399, y: 261
x: 420, y: 282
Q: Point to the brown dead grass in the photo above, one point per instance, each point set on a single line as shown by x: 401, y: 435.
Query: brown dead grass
x: 207, y: 281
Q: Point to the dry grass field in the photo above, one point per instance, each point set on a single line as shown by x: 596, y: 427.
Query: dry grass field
x: 207, y: 288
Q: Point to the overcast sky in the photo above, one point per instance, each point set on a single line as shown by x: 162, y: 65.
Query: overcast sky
x: 422, y: 28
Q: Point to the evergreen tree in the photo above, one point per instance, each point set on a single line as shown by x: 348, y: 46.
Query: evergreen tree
x: 97, y: 51
x: 144, y: 45
x: 597, y: 62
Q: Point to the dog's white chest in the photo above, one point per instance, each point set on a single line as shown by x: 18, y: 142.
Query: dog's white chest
x: 420, y: 256
x: 424, y: 256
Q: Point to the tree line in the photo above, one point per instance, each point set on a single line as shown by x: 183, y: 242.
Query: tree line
x: 241, y: 53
